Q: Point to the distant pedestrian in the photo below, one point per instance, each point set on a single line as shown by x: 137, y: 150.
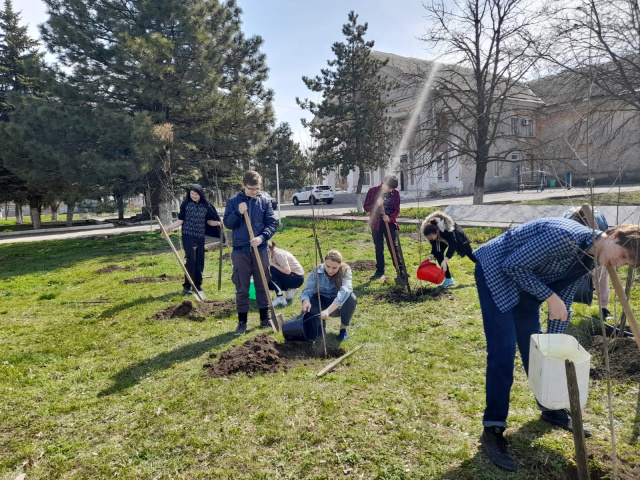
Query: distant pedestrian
x: 336, y: 292
x: 245, y: 266
x: 446, y: 238
x: 287, y: 275
x: 387, y: 195
x: 194, y: 216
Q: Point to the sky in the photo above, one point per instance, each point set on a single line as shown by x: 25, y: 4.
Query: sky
x: 298, y: 35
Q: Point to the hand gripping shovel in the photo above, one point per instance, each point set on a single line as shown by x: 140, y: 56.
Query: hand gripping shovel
x: 199, y: 296
x: 401, y: 279
x: 275, y: 320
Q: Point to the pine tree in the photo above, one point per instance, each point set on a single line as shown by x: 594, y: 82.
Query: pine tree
x: 292, y: 166
x: 351, y: 123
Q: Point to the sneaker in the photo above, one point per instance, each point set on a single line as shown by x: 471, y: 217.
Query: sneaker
x: 343, y: 335
x: 448, y: 282
x: 186, y: 291
x: 376, y: 275
x: 606, y: 313
x: 562, y: 419
x: 241, y: 328
x: 495, y: 446
x: 265, y: 323
x: 280, y: 301
x: 291, y: 293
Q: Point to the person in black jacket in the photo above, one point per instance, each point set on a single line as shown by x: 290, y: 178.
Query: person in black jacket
x: 443, y: 233
x: 196, y: 216
x: 264, y: 225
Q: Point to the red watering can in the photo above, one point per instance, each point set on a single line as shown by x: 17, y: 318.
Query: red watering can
x: 430, y: 272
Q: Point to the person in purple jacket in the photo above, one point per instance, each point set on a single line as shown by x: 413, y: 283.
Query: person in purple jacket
x: 539, y: 261
x: 264, y: 225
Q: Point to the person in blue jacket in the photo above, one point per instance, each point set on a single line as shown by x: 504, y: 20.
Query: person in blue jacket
x: 539, y: 261
x: 264, y: 225
x: 196, y: 217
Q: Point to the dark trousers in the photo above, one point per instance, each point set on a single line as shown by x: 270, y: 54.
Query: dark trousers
x: 345, y: 312
x: 244, y: 267
x: 194, y: 259
x: 379, y: 237
x: 281, y: 281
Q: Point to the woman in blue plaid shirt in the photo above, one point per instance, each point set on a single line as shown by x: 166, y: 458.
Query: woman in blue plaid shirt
x: 539, y: 261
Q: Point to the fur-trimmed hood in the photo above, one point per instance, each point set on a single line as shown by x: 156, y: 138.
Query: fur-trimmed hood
x: 445, y: 222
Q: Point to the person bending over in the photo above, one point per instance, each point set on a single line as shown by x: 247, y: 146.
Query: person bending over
x: 287, y: 275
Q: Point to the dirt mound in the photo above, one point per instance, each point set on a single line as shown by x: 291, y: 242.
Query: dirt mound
x: 362, y: 265
x: 417, y: 295
x: 114, y: 268
x: 160, y: 278
x: 624, y: 359
x: 264, y: 354
x: 198, y: 311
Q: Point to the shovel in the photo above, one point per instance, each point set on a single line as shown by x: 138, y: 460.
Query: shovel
x: 199, y: 296
x: 275, y: 320
x: 401, y: 280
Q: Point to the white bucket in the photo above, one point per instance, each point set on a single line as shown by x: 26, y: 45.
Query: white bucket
x: 547, y: 372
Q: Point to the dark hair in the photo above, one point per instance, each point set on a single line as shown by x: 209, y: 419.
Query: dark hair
x: 628, y: 237
x: 271, y: 244
x: 251, y: 177
x: 391, y: 180
x: 431, y: 228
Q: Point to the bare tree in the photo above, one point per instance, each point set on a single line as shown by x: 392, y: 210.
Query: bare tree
x: 487, y: 47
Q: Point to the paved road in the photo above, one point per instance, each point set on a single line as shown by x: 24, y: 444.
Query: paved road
x: 338, y: 209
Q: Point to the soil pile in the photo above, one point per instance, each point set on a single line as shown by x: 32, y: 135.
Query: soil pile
x: 362, y: 265
x: 160, y: 278
x: 264, y: 354
x: 624, y: 359
x: 198, y: 311
x: 400, y: 295
x: 114, y: 268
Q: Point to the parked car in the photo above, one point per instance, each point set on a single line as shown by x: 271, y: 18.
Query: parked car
x: 274, y: 202
x: 313, y: 194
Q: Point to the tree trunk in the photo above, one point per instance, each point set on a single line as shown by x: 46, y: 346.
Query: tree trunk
x: 35, y: 207
x: 54, y: 212
x: 478, y: 186
x: 359, y: 190
x: 120, y: 203
x: 19, y: 216
x: 71, y: 206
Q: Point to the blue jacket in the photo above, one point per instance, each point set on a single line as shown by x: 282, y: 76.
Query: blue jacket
x: 263, y: 221
x: 327, y: 287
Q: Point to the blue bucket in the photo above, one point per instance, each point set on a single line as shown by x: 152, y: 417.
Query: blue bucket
x: 303, y: 328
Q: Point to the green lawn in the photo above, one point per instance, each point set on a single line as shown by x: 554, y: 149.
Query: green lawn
x: 612, y: 198
x: 92, y: 386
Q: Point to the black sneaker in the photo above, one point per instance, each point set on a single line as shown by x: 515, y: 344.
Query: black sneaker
x: 376, y: 276
x: 606, y: 313
x: 495, y: 446
x: 562, y: 419
x: 186, y: 291
x: 241, y: 329
x: 265, y: 323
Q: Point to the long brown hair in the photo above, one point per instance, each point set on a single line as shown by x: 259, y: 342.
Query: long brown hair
x: 336, y: 256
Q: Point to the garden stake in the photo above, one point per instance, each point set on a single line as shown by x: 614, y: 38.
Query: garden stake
x: 273, y: 320
x: 197, y: 294
x: 220, y: 260
x: 333, y: 364
x: 317, y: 250
x: 401, y: 280
x: 582, y: 463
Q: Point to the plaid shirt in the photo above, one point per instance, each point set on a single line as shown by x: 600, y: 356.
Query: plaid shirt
x: 532, y: 256
x: 391, y: 206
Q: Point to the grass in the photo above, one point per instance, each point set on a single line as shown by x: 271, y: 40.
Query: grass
x: 94, y: 387
x: 612, y: 198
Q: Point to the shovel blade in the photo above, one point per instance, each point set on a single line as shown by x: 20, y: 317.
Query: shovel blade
x: 199, y: 296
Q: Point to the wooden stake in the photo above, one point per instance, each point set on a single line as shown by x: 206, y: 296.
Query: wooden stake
x: 333, y: 364
x: 273, y: 320
x: 576, y: 421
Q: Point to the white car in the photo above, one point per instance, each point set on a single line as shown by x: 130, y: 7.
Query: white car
x: 313, y: 194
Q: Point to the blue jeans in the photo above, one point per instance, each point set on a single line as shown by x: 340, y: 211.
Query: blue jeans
x: 503, y: 332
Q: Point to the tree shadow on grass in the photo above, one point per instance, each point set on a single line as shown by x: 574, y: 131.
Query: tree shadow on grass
x: 110, y: 312
x: 133, y: 374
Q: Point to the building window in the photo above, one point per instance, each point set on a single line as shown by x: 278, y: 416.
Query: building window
x: 440, y: 170
x: 515, y: 157
x: 367, y: 178
x: 522, y: 127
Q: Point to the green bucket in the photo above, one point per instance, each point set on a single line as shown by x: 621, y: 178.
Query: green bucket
x: 252, y: 291
x: 552, y: 182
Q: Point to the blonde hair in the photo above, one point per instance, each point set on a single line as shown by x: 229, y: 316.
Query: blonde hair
x: 336, y: 256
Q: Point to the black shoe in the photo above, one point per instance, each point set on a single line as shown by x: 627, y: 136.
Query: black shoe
x: 495, y: 446
x: 186, y: 291
x: 376, y: 275
x: 265, y: 323
x: 606, y: 313
x: 562, y: 419
x: 241, y: 329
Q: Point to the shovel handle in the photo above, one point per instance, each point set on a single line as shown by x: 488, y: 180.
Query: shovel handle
x: 391, y: 244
